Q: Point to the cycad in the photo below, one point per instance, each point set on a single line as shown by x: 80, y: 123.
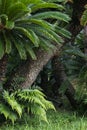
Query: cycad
x: 24, y: 27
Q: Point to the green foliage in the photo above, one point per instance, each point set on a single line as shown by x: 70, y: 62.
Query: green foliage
x: 74, y: 60
x: 14, y: 105
x: 24, y: 25
x: 81, y: 90
x: 60, y: 120
x: 73, y: 57
x: 84, y: 17
x: 34, y: 102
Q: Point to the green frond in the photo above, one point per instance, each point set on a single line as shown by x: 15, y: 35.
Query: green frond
x: 35, y: 102
x: 30, y: 50
x: 18, y: 19
x: 52, y: 14
x: 29, y: 34
x: 8, y: 113
x: 84, y: 17
x: 56, y: 0
x: 46, y: 45
x: 39, y: 111
x: 46, y: 5
x: 63, y: 32
x: 10, y: 99
x: 13, y: 105
x: 7, y: 43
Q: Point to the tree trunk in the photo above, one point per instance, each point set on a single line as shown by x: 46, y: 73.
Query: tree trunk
x: 74, y: 28
x: 60, y: 78
x: 3, y: 65
x: 30, y: 70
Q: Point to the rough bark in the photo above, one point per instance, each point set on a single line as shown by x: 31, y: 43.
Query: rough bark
x: 32, y: 68
x: 60, y: 78
x: 3, y: 64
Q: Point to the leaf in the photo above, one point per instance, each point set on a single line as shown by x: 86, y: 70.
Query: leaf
x: 30, y: 51
x: 29, y: 34
x: 20, y: 47
x: 7, y: 43
x: 1, y: 49
x: 58, y: 39
x: 46, y: 5
x: 10, y: 99
x: 6, y: 111
x: 52, y: 14
x: 10, y: 25
x: 4, y: 19
x: 5, y: 4
x: 63, y: 32
x: 38, y: 22
x: 17, y: 10
x: 39, y: 111
x: 46, y: 44
x: 29, y: 2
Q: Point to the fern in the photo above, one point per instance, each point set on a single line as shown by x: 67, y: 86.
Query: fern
x: 13, y: 105
x: 35, y: 102
x: 8, y: 113
x: 10, y: 99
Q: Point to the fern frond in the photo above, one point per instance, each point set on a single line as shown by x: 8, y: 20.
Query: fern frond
x: 10, y: 99
x: 6, y: 111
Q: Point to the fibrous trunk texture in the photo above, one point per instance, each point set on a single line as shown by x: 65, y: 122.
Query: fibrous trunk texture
x: 3, y: 64
x: 32, y: 68
x: 61, y: 78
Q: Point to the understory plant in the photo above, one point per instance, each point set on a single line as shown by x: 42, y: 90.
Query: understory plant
x: 31, y: 101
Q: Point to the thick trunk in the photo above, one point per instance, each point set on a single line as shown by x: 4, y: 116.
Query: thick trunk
x: 60, y: 78
x: 30, y: 70
x: 3, y: 65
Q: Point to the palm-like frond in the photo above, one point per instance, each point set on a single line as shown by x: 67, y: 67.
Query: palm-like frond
x: 17, y: 21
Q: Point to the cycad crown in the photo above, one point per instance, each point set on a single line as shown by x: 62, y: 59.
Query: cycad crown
x: 24, y: 25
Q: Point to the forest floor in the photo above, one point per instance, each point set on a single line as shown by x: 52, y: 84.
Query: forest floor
x: 59, y: 120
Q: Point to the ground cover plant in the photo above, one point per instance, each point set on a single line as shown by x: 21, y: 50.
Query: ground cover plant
x: 60, y: 120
